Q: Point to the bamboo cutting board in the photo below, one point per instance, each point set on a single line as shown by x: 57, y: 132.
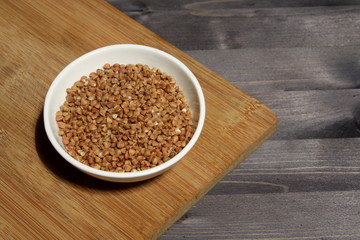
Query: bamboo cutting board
x: 42, y: 196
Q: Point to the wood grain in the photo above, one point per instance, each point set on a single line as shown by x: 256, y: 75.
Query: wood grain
x: 299, y: 84
x: 41, y: 196
x: 262, y: 70
x: 316, y: 215
x: 200, y: 25
x: 314, y: 114
x: 281, y: 166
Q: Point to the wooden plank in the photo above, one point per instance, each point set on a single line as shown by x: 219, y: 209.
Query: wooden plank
x: 314, y: 92
x: 286, y: 69
x: 282, y: 78
x: 174, y: 5
x: 316, y: 215
x: 283, y: 166
x: 230, y: 25
x: 41, y: 196
x: 272, y: 76
x: 315, y: 114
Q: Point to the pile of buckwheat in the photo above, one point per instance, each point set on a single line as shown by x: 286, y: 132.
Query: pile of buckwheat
x: 125, y: 118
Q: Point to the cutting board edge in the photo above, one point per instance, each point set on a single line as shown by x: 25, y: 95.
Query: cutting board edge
x: 267, y: 134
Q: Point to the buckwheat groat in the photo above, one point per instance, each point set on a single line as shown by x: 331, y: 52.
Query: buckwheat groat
x: 125, y: 118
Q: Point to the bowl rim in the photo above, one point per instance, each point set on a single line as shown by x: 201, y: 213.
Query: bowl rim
x: 124, y: 175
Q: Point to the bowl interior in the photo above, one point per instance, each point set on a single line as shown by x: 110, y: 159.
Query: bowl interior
x: 122, y: 54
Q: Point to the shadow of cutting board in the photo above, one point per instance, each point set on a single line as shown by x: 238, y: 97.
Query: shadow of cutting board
x: 42, y: 196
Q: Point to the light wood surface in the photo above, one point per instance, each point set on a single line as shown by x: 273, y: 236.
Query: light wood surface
x: 301, y: 59
x: 43, y: 197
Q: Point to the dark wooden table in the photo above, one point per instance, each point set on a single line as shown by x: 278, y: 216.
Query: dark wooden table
x: 302, y: 59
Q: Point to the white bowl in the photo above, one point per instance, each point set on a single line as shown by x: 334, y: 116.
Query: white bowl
x: 123, y: 54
